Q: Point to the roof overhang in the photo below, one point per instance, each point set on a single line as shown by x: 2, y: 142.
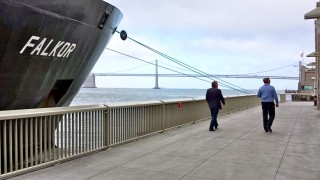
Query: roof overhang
x: 314, y: 14
x: 312, y: 64
x: 314, y: 54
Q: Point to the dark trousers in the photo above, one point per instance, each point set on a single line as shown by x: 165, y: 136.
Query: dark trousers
x: 214, y: 115
x: 268, y: 109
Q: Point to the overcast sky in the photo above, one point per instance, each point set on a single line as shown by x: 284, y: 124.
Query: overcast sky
x: 217, y: 37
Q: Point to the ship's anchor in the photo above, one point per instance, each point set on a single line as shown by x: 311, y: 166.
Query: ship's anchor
x: 123, y: 35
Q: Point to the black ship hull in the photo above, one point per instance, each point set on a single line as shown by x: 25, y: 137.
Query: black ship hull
x: 48, y: 48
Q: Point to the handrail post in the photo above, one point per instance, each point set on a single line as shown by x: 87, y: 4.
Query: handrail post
x: 163, y: 115
x: 106, y: 127
x: 195, y: 114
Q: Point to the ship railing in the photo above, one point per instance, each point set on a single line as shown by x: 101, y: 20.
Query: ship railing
x: 32, y: 139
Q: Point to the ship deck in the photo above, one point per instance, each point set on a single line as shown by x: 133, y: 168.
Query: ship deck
x: 239, y: 149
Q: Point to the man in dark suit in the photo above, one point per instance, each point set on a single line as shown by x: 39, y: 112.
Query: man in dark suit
x: 214, y: 98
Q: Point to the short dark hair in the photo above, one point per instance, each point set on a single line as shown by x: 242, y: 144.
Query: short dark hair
x: 266, y: 80
x: 214, y: 84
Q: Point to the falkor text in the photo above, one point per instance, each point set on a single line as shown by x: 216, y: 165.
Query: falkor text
x: 46, y: 47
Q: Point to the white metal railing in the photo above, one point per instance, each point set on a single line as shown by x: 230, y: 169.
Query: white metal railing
x: 34, y: 138
x: 31, y: 139
x: 128, y: 122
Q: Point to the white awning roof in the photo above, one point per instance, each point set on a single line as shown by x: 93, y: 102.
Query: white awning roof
x: 311, y: 64
x: 314, y: 54
x: 313, y: 14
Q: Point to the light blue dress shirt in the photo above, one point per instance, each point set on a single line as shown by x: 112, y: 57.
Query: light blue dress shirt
x: 267, y: 93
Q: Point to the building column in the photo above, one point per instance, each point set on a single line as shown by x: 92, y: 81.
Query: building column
x: 317, y: 48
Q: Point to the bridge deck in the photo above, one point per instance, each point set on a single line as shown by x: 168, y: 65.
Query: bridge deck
x: 239, y: 149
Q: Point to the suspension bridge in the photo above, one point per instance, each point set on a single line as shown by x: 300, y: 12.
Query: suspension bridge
x: 90, y: 82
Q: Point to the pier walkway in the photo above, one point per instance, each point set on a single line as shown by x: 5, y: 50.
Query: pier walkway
x: 239, y: 149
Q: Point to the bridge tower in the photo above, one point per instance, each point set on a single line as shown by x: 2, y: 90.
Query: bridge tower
x: 156, y: 85
x: 90, y: 81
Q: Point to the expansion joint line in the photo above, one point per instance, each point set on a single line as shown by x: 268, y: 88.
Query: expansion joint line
x: 298, y: 116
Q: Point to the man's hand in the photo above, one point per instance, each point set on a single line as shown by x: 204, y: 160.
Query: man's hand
x: 277, y: 105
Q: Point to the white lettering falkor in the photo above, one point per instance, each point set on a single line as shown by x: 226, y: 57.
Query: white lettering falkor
x: 61, y: 49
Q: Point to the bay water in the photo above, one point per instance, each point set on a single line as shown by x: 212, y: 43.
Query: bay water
x: 90, y: 96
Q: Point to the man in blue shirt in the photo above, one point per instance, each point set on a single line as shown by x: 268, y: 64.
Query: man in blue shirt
x: 268, y: 95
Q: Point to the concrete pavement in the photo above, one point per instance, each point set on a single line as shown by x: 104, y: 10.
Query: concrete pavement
x: 239, y: 149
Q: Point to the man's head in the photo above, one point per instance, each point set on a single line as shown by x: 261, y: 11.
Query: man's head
x: 214, y: 84
x: 266, y: 80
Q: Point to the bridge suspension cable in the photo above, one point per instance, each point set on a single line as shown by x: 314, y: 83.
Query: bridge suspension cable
x: 136, y: 67
x: 193, y: 76
x: 271, y: 69
x: 221, y: 82
x: 155, y: 64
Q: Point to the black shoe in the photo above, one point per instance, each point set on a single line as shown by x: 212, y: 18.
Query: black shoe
x: 211, y: 130
x: 266, y: 130
x: 270, y: 130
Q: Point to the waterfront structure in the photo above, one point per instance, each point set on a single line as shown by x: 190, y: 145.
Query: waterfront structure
x: 83, y: 130
x: 307, y: 79
x: 218, y: 154
x: 315, y: 14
